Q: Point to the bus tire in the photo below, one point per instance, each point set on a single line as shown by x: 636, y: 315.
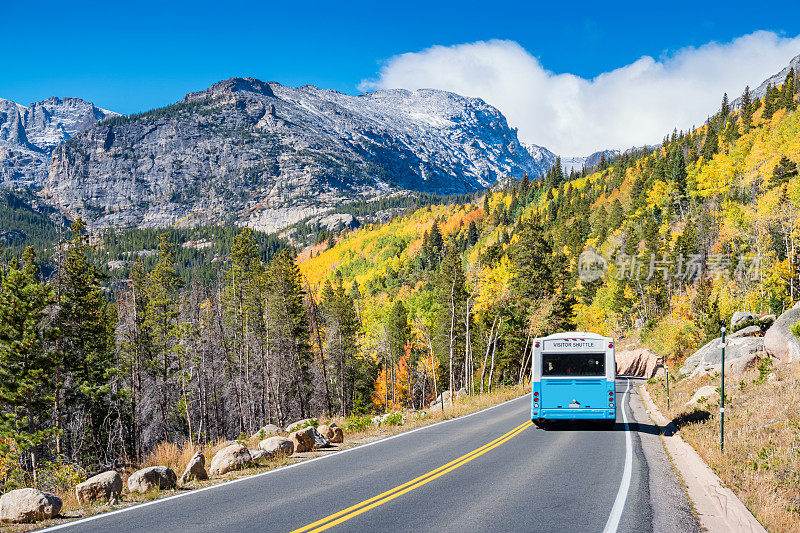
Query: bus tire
x: 540, y: 423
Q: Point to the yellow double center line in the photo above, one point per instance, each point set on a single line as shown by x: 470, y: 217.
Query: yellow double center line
x: 380, y: 499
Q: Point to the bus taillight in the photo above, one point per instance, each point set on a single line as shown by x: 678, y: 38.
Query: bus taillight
x: 610, y: 344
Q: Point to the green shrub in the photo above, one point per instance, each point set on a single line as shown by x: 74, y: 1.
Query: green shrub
x: 356, y: 423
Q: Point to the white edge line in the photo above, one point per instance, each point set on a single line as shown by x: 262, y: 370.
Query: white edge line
x: 622, y: 494
x: 268, y: 472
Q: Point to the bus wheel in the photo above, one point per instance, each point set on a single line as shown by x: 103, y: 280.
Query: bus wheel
x: 540, y: 423
x: 608, y: 424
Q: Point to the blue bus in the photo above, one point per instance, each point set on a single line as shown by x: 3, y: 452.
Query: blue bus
x: 573, y: 378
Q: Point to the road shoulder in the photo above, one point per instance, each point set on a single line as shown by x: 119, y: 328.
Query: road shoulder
x: 717, y: 506
x: 671, y: 507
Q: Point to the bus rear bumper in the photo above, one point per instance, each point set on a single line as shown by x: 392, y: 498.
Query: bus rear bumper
x: 574, y: 414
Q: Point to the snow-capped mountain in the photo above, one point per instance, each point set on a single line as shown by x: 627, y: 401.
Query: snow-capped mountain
x: 29, y: 134
x: 543, y: 157
x: 267, y: 155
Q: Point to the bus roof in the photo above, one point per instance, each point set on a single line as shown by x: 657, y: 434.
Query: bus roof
x: 574, y: 335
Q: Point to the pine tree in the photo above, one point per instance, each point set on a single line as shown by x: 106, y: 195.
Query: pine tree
x: 785, y: 170
x: 676, y: 171
x: 725, y: 108
x: 472, y: 233
x: 711, y: 144
x: 26, y: 366
x: 161, y: 322
x: 769, y: 103
x: 788, y: 91
x: 288, y: 327
x: 747, y: 110
x: 87, y: 340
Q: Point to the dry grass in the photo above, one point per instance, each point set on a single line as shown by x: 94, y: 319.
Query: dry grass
x: 177, y: 457
x: 761, y: 460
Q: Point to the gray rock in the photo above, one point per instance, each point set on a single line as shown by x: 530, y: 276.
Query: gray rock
x: 742, y: 316
x: 196, y: 469
x: 152, y: 477
x: 779, y: 341
x: 229, y: 458
x: 300, y: 424
x: 267, y: 431
x: 740, y: 353
x: 259, y: 457
x: 28, y: 505
x: 107, y: 486
x: 277, y: 445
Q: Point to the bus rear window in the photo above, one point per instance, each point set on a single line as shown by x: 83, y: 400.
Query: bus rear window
x: 573, y: 364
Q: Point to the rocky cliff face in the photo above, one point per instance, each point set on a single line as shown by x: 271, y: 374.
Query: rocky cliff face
x: 266, y: 155
x: 29, y: 134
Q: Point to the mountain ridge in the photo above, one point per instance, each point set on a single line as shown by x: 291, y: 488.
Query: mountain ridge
x: 266, y: 155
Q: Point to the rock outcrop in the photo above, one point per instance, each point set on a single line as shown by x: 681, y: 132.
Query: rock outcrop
x: 105, y: 486
x: 640, y: 362
x: 196, y: 469
x: 779, y: 342
x: 29, y: 134
x: 28, y: 505
x: 277, y: 445
x: 152, y: 477
x: 741, y: 353
x: 229, y: 458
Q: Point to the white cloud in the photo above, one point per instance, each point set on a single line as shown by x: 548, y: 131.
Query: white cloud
x: 632, y: 105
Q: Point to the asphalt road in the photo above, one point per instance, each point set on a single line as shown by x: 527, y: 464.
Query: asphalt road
x: 566, y: 478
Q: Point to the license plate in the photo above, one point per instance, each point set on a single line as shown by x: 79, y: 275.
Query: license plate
x: 574, y: 404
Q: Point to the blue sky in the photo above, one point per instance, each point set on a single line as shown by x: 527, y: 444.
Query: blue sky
x: 133, y: 56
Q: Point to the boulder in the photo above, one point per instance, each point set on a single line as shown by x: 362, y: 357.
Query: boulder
x: 639, y: 362
x: 320, y: 440
x: 326, y: 431
x: 740, y: 354
x: 28, y: 505
x: 461, y: 393
x: 749, y: 331
x: 259, y: 457
x: 709, y: 392
x: 152, y: 477
x: 229, y: 458
x: 307, y: 439
x: 338, y: 434
x: 106, y: 486
x: 300, y: 424
x: 196, y: 469
x: 303, y: 440
x: 779, y: 341
x: 267, y: 431
x: 276, y: 445
x: 740, y: 317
